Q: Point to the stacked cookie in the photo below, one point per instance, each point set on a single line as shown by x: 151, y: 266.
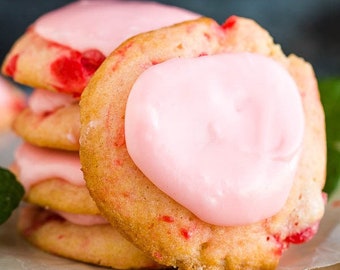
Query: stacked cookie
x: 57, y: 56
x: 202, y: 143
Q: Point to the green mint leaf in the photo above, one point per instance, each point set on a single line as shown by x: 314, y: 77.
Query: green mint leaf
x: 11, y: 193
x: 330, y: 98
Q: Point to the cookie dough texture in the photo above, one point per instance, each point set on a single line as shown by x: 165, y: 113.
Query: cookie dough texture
x: 39, y: 63
x: 59, y: 129
x: 150, y: 219
x: 60, y: 195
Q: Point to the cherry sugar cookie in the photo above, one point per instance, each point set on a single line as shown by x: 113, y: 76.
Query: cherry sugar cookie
x: 59, y: 130
x: 50, y: 120
x: 60, y: 195
x: 53, y: 179
x: 62, y: 49
x: 61, y: 218
x: 205, y: 145
x: 98, y: 244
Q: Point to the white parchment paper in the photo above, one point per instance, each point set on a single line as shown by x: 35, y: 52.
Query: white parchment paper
x: 15, y: 254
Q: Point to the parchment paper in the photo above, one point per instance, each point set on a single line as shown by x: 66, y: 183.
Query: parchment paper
x: 15, y: 254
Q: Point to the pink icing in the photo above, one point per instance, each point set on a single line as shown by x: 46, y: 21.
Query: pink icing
x: 43, y: 101
x: 36, y: 164
x: 6, y: 93
x: 219, y: 134
x: 103, y: 25
x: 12, y: 101
x: 84, y: 220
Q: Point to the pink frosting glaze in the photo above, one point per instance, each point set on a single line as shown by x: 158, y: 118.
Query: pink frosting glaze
x: 12, y: 101
x: 84, y: 220
x: 43, y: 101
x: 219, y: 134
x: 103, y: 25
x: 36, y: 164
x: 6, y: 93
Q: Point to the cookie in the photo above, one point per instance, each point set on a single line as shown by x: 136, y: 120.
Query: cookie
x: 58, y: 129
x: 153, y: 220
x: 62, y: 49
x: 95, y: 244
x: 52, y: 179
x: 60, y: 195
x: 61, y: 217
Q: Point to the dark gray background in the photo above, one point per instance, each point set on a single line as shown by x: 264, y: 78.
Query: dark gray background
x: 309, y: 28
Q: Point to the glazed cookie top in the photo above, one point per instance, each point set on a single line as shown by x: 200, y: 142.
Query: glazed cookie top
x: 103, y: 24
x: 44, y: 102
x: 222, y: 142
x: 82, y: 219
x: 36, y: 164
